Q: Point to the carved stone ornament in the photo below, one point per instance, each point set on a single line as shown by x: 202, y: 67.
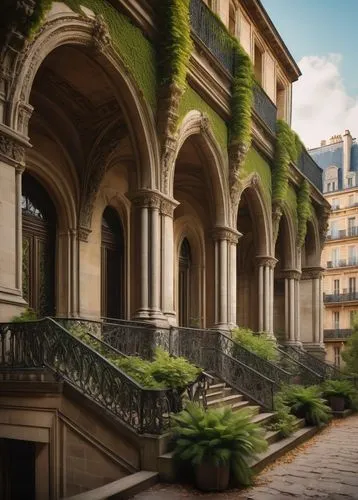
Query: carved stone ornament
x: 204, y: 124
x: 289, y: 274
x: 167, y: 159
x: 83, y: 233
x: 100, y: 33
x: 147, y: 199
x: 276, y: 217
x: 237, y: 155
x: 266, y: 261
x: 167, y: 207
x: 311, y: 273
x: 11, y: 149
x: 226, y: 233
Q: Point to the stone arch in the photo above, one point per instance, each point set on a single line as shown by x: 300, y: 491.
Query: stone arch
x: 188, y: 227
x: 311, y: 251
x: 70, y: 29
x: 288, y: 231
x: 198, y: 125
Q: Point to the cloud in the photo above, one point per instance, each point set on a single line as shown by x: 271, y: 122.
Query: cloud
x: 321, y: 104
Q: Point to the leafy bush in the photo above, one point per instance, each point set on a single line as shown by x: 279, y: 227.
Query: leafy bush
x: 219, y: 437
x: 27, y: 315
x: 261, y: 344
x: 283, y: 420
x: 350, y: 352
x: 305, y: 402
x: 341, y: 388
x: 172, y: 372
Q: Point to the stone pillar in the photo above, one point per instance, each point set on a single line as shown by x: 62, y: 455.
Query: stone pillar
x: 12, y: 162
x: 167, y: 207
x: 292, y: 305
x: 147, y: 204
x: 225, y: 240
x: 312, y: 310
x: 266, y: 267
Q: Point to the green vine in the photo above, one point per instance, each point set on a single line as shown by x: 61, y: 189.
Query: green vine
x: 288, y: 148
x: 304, y: 211
x: 175, y: 44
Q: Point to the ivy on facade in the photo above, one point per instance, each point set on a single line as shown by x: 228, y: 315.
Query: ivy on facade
x: 304, y: 211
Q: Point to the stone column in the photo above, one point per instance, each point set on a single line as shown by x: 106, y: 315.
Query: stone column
x: 12, y: 162
x: 266, y: 267
x: 225, y: 240
x: 312, y: 310
x: 167, y: 207
x: 292, y: 305
x: 148, y: 204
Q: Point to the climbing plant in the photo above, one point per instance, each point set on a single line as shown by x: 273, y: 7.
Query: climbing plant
x: 304, y: 211
x: 287, y: 149
x: 175, y: 43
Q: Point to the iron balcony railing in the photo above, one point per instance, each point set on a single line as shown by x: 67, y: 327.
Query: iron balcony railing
x: 265, y: 108
x: 324, y: 370
x: 337, y: 333
x: 310, y: 169
x: 343, y: 233
x: 342, y: 263
x: 340, y: 297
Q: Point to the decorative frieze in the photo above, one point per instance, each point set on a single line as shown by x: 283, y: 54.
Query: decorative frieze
x: 226, y: 233
x: 11, y: 149
x: 266, y: 260
x: 289, y: 274
x: 311, y: 273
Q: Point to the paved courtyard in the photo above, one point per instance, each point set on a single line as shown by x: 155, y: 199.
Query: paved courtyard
x: 325, y: 468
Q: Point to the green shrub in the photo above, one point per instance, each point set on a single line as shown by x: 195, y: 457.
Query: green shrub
x: 304, y: 211
x: 341, y: 388
x: 305, y: 402
x: 350, y: 352
x: 283, y: 420
x: 261, y: 344
x: 171, y: 371
x: 27, y: 315
x: 218, y: 437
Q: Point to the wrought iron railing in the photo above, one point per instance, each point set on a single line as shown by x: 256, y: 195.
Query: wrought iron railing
x: 315, y: 364
x: 265, y: 108
x: 310, y: 169
x: 241, y: 377
x: 338, y: 333
x: 300, y: 373
x: 46, y: 343
x: 343, y: 233
x: 340, y: 297
x: 342, y: 263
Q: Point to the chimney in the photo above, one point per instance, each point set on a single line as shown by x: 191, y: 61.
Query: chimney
x: 323, y: 142
x: 347, y: 146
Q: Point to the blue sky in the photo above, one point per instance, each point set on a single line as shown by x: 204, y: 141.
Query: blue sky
x: 313, y: 30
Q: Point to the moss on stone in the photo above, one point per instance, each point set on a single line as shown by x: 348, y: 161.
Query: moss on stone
x: 254, y: 163
x: 136, y: 51
x: 192, y: 101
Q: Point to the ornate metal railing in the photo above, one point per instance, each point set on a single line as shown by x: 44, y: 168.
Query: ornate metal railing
x: 318, y: 366
x: 310, y: 169
x: 340, y: 297
x: 211, y: 33
x: 265, y: 108
x: 46, y: 343
x: 300, y: 373
x: 241, y: 377
x: 340, y: 333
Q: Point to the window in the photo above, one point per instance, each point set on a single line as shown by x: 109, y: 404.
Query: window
x: 280, y: 100
x: 350, y: 182
x: 334, y: 229
x: 352, y: 255
x: 335, y: 256
x: 336, y: 320
x: 232, y: 19
x: 328, y: 186
x: 258, y: 63
x: 337, y: 356
x: 335, y: 203
x: 352, y: 285
x: 333, y: 185
x: 351, y: 226
x: 351, y: 200
x: 336, y: 287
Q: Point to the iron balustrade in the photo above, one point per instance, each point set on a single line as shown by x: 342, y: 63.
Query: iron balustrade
x: 265, y: 108
x: 338, y: 333
x: 342, y: 263
x: 343, y: 233
x: 300, y: 373
x: 324, y: 370
x: 310, y: 169
x: 340, y: 297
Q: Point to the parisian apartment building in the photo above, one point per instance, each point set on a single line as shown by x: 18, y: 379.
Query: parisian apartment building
x: 338, y: 157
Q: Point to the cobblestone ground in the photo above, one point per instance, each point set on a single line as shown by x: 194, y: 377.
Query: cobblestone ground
x: 324, y: 468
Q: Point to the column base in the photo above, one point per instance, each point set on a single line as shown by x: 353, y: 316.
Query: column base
x: 11, y: 304
x: 222, y: 326
x: 295, y: 343
x: 317, y: 350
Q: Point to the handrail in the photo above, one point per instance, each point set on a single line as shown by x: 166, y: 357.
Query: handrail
x: 305, y: 374
x: 241, y: 377
x: 47, y: 343
x: 325, y: 370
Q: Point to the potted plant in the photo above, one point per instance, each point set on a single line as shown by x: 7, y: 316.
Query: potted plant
x: 307, y: 403
x: 219, y: 444
x: 340, y: 394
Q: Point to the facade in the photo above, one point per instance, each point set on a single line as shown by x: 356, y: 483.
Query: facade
x: 339, y: 159
x: 125, y: 196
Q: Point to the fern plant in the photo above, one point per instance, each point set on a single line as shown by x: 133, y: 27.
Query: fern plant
x: 341, y: 388
x: 218, y: 437
x: 307, y: 403
x: 283, y: 420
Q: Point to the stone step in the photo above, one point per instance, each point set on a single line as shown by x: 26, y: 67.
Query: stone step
x: 219, y: 394
x: 226, y: 401
x: 216, y: 387
x: 245, y: 404
x: 262, y: 418
x: 272, y: 436
x: 124, y: 488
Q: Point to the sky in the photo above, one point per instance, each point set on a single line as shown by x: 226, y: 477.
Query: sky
x: 322, y: 36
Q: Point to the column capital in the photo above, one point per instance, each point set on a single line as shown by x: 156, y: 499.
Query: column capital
x: 12, y: 146
x: 311, y: 273
x: 145, y: 199
x: 226, y: 233
x: 266, y: 260
x: 293, y: 274
x: 167, y: 206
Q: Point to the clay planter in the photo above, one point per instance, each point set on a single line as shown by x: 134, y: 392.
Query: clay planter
x: 209, y: 477
x: 337, y: 403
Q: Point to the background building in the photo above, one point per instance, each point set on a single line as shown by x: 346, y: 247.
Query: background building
x: 339, y: 158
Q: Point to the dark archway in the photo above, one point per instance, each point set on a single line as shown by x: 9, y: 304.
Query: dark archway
x: 184, y: 283
x: 38, y: 243
x: 112, y: 266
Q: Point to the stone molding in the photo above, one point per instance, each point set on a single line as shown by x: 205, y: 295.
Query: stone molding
x: 226, y: 233
x: 83, y: 233
x: 154, y: 200
x: 311, y: 273
x: 11, y: 149
x: 167, y: 207
x: 266, y: 260
x: 290, y: 274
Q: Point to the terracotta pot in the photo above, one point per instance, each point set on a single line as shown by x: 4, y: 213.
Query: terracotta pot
x: 212, y: 478
x: 337, y: 403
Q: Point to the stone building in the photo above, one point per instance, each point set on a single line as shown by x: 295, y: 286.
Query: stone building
x: 126, y: 195
x: 339, y: 158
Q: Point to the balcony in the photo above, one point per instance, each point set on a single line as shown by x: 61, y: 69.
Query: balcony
x: 339, y: 333
x: 340, y: 297
x: 343, y: 233
x: 342, y: 263
x: 310, y: 169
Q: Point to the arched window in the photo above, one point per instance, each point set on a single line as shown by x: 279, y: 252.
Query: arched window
x: 184, y: 283
x: 112, y: 266
x: 38, y: 243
